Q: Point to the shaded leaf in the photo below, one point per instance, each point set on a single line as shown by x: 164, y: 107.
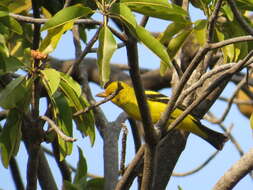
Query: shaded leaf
x: 13, y: 93
x: 10, y: 137
x: 95, y: 184
x: 12, y: 24
x: 64, y: 122
x: 107, y: 46
x: 81, y: 172
x: 66, y: 15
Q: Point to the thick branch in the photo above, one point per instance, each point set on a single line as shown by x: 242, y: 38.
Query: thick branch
x: 241, y: 168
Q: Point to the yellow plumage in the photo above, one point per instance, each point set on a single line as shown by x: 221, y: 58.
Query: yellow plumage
x: 157, y: 102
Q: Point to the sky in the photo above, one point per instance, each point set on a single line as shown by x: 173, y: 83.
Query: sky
x: 196, y: 150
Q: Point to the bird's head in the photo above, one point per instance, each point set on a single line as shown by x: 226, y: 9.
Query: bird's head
x: 114, y: 87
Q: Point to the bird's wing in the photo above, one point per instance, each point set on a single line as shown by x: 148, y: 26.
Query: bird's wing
x: 158, y: 97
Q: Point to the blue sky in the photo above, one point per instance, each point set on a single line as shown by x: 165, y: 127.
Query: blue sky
x: 195, y: 152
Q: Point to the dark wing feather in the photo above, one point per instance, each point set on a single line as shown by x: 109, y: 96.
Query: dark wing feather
x: 158, y: 97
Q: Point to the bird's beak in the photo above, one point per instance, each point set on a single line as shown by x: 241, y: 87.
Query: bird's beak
x: 102, y: 94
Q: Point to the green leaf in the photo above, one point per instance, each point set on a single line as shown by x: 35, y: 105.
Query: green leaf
x: 53, y: 37
x: 81, y: 172
x: 96, y: 184
x: 200, y: 30
x: 122, y: 12
x: 67, y: 185
x: 171, y: 30
x: 13, y: 93
x: 12, y: 24
x: 64, y: 122
x: 157, y: 9
x: 11, y: 64
x: 153, y: 44
x: 51, y: 80
x: 3, y: 13
x: 177, y: 42
x: 107, y: 46
x: 66, y: 15
x: 88, y: 121
x: 72, y: 91
x: 179, y: 187
x: 71, y: 83
x: 229, y: 13
x: 10, y: 137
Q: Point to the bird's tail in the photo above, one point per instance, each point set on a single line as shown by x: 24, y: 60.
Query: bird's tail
x: 215, y: 138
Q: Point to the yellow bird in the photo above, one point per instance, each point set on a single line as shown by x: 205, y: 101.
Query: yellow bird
x: 157, y: 102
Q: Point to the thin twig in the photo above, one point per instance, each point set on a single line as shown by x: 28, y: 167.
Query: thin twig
x: 237, y: 101
x: 44, y: 20
x: 84, y: 53
x: 108, y: 98
x: 212, y: 21
x: 239, y: 17
x: 124, y: 179
x: 57, y: 129
x: 230, y: 101
x: 228, y: 74
x: 123, y: 151
x: 67, y: 3
x: 201, y: 81
x: 201, y: 166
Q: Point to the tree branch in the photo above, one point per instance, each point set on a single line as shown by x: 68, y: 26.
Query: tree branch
x: 236, y: 172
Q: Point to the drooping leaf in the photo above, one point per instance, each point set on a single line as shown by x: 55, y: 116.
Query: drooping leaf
x: 159, y: 9
x: 122, y: 12
x: 51, y: 80
x: 81, y: 172
x: 64, y: 122
x: 10, y: 137
x: 72, y: 91
x: 13, y: 93
x: 66, y: 15
x: 53, y: 37
x: 171, y: 30
x: 107, y: 46
x: 176, y: 43
x: 153, y: 44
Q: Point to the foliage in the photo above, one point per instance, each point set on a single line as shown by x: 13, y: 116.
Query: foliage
x: 27, y: 75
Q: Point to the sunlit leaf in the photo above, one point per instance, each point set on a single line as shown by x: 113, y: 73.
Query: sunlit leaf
x: 122, y: 12
x: 158, y: 9
x: 177, y: 42
x: 10, y: 137
x: 200, y: 30
x: 153, y: 44
x: 53, y: 37
x: 68, y: 14
x: 51, y: 80
x: 171, y: 30
x: 107, y: 46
